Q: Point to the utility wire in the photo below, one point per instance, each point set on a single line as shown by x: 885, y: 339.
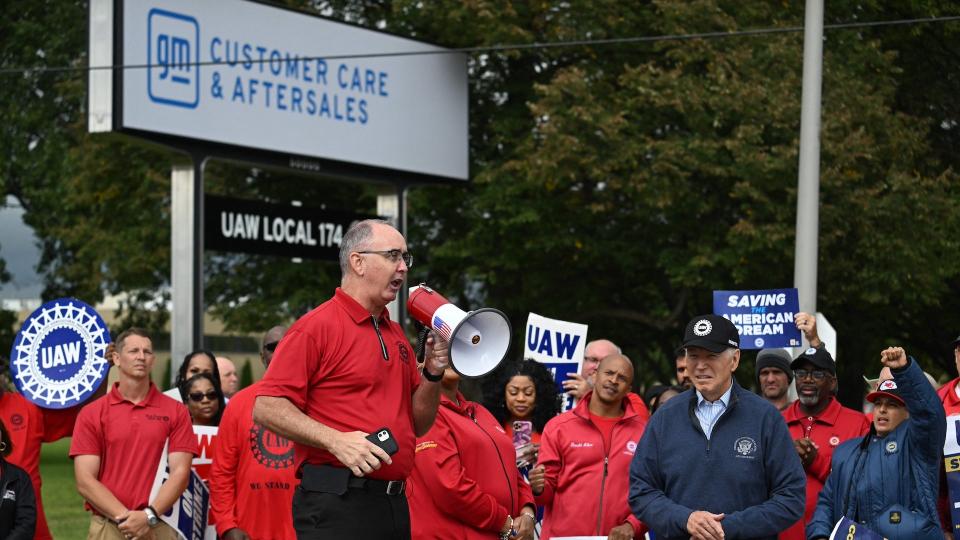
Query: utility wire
x: 517, y: 46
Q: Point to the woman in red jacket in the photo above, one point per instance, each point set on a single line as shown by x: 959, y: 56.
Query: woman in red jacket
x: 465, y: 483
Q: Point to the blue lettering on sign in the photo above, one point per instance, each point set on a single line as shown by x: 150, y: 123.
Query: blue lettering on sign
x: 173, y: 55
x: 288, y: 81
x: 544, y: 341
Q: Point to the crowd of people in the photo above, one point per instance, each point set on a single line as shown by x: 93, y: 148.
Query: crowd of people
x: 407, y: 455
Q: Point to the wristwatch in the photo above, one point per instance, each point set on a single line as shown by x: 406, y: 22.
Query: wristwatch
x: 152, y: 519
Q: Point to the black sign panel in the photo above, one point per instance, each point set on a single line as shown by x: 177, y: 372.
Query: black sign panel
x: 245, y: 226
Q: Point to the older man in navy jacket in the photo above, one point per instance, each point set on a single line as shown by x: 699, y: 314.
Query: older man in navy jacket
x: 716, y: 462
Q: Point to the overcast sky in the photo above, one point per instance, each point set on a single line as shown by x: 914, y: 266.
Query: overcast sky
x: 18, y: 247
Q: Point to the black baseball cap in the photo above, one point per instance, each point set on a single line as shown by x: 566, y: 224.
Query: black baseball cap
x: 711, y: 332
x: 819, y: 357
x: 887, y: 388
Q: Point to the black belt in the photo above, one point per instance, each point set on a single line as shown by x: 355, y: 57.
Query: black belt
x: 330, y: 479
x: 390, y: 487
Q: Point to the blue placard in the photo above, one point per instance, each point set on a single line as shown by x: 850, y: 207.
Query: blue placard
x: 763, y: 318
x: 57, y: 360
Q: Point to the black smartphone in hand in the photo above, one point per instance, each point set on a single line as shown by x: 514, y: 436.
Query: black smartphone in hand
x: 384, y: 439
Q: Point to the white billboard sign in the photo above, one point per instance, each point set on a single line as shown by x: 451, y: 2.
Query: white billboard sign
x: 250, y: 75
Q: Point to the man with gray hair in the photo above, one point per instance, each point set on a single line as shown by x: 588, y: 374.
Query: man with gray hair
x: 345, y: 371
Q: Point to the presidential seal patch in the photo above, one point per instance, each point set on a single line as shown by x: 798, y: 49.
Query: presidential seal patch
x: 57, y: 360
x: 745, y: 447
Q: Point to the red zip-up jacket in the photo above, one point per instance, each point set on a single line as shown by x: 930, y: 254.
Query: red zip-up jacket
x: 465, y: 479
x: 831, y: 427
x: 585, y: 485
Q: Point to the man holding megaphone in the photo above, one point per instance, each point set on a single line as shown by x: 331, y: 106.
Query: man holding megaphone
x: 344, y: 386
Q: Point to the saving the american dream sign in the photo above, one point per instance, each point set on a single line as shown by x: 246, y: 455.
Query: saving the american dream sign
x: 57, y: 360
x: 763, y: 318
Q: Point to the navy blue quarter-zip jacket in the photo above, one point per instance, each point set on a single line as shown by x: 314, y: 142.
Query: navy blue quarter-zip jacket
x: 748, y: 469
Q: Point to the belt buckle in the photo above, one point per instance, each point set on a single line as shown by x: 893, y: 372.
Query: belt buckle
x: 395, y: 487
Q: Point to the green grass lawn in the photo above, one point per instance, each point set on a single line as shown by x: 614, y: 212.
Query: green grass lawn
x: 61, y: 502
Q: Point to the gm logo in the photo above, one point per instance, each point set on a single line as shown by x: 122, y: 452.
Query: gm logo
x: 173, y: 52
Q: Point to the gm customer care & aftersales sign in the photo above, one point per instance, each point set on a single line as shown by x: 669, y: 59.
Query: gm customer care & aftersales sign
x: 256, y: 76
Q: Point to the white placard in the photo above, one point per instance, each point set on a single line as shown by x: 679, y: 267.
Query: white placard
x: 557, y: 344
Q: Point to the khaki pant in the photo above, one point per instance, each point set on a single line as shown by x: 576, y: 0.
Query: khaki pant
x: 102, y: 528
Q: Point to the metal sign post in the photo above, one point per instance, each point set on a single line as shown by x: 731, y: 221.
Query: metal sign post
x: 186, y: 260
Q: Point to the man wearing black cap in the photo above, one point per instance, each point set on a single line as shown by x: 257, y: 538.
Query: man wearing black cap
x: 775, y: 376
x: 817, y: 424
x: 716, y: 462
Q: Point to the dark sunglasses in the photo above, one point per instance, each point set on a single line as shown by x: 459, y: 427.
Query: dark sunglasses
x: 198, y: 396
x: 272, y: 346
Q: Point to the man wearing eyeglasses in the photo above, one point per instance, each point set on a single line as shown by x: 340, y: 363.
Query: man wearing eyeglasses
x: 817, y: 424
x: 253, y: 468
x: 345, y: 371
x: 269, y: 344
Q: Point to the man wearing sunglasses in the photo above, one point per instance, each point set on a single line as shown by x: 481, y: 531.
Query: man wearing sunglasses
x: 253, y: 468
x: 817, y: 424
x: 343, y: 372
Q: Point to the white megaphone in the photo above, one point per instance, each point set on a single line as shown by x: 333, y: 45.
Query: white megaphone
x: 478, y: 340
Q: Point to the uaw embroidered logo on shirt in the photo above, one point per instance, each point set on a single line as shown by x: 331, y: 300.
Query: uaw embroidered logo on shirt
x: 269, y: 449
x: 746, y: 447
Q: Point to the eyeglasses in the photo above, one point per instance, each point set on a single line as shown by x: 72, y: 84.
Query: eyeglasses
x: 270, y: 347
x: 817, y: 374
x: 198, y: 396
x: 393, y: 255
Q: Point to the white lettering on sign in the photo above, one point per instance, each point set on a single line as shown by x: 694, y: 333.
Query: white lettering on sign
x: 280, y: 230
x: 760, y: 318
x: 60, y: 355
x: 754, y: 300
x: 236, y: 225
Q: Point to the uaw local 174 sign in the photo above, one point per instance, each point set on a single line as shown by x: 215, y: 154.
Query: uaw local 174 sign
x: 763, y: 318
x: 57, y: 360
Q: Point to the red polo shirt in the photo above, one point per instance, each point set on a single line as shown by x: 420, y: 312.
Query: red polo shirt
x: 129, y: 439
x: 831, y: 427
x: 331, y: 366
x: 30, y: 427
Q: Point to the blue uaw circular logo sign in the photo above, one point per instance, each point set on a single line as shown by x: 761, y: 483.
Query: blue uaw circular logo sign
x: 57, y: 360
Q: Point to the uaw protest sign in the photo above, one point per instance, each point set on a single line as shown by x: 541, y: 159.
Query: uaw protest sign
x: 951, y: 461
x: 558, y: 345
x: 763, y: 318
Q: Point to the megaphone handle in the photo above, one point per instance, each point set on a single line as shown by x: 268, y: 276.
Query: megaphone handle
x: 421, y: 349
